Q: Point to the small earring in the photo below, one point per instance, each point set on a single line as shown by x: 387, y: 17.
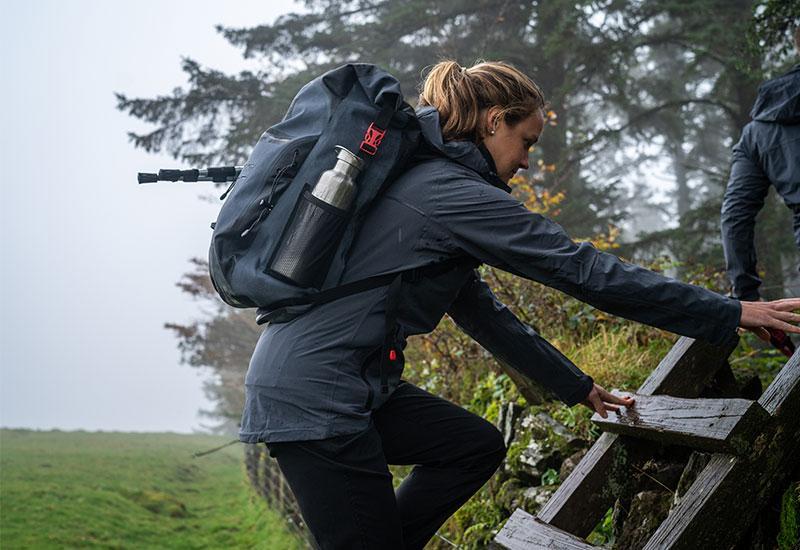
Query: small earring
x: 491, y: 133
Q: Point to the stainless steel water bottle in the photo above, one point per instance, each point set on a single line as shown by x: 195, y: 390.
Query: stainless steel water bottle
x: 337, y: 186
x: 316, y: 226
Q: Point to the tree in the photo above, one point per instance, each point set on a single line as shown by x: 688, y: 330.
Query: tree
x: 222, y: 343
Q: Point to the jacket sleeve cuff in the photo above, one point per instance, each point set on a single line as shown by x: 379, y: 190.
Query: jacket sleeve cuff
x: 728, y: 322
x: 580, y: 394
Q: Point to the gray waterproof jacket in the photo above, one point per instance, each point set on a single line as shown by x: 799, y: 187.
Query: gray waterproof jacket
x: 767, y: 153
x: 316, y: 376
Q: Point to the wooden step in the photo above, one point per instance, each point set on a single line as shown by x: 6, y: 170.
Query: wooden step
x: 716, y: 425
x: 582, y: 500
x: 522, y: 531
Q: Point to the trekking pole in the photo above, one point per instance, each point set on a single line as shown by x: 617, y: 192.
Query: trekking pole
x: 217, y: 174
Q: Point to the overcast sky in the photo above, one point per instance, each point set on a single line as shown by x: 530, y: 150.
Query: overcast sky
x: 90, y: 259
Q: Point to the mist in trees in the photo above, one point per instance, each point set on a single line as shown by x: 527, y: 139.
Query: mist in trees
x: 634, y: 88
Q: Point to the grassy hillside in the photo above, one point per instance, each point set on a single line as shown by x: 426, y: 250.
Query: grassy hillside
x: 120, y: 490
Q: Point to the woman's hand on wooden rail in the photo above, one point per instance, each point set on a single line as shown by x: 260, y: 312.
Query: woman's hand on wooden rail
x: 600, y: 401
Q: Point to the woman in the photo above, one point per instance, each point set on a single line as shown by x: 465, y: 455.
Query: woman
x: 314, y: 383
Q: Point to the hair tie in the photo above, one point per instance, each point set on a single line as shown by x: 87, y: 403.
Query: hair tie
x: 464, y: 71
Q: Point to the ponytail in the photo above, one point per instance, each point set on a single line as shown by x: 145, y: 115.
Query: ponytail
x: 462, y: 94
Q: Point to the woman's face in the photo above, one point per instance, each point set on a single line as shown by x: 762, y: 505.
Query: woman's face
x: 509, y: 144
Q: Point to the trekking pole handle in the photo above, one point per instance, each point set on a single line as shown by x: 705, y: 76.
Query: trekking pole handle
x: 217, y: 174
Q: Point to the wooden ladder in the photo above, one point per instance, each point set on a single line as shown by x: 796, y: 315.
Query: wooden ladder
x: 756, y: 446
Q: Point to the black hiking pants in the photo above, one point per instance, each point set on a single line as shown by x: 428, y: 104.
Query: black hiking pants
x: 344, y: 487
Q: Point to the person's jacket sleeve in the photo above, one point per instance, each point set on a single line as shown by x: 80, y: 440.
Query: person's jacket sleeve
x: 744, y: 197
x: 489, y: 322
x: 492, y: 226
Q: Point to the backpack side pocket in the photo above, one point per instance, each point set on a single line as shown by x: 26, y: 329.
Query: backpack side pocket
x: 309, y: 242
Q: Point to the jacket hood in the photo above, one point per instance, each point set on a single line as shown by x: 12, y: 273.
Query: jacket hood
x: 779, y: 99
x: 463, y: 152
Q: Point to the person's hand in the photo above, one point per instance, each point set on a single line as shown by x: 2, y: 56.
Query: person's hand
x: 600, y: 401
x: 757, y: 317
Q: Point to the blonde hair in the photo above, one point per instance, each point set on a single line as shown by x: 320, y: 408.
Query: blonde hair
x: 462, y: 94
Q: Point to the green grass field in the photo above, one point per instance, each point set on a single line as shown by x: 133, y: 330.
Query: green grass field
x: 123, y: 490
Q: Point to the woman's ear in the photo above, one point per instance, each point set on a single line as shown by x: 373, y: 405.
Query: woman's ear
x: 492, y: 120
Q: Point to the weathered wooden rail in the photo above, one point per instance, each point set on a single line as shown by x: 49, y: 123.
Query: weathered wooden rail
x: 756, y: 446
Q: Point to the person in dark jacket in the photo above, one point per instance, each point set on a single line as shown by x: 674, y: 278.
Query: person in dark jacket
x: 768, y: 153
x: 313, y: 389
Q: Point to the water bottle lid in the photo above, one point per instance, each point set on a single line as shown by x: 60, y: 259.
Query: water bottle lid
x: 350, y: 158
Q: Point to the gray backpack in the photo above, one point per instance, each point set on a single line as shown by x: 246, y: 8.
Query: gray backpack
x: 276, y: 245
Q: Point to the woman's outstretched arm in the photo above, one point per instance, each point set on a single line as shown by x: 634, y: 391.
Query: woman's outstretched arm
x: 495, y: 228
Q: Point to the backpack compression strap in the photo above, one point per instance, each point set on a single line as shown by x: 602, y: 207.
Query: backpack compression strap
x: 323, y: 297
x: 377, y: 129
